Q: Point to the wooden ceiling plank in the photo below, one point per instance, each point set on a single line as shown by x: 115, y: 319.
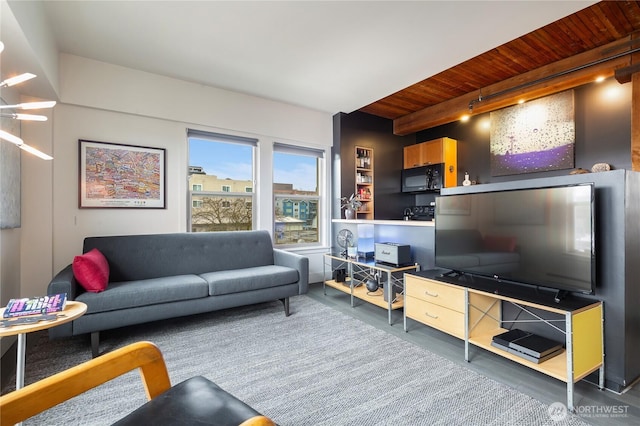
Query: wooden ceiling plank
x: 453, y: 109
x: 621, y: 19
x: 594, y: 26
x: 607, y: 13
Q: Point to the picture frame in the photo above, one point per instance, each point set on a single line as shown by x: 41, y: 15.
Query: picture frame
x: 114, y: 175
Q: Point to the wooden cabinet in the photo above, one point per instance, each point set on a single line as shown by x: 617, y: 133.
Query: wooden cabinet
x: 476, y: 317
x: 435, y: 304
x: 413, y: 155
x: 442, y: 150
x: 364, y: 182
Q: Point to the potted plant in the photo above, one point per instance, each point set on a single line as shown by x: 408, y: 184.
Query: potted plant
x: 350, y: 206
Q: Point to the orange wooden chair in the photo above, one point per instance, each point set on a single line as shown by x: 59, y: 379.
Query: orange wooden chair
x: 197, y: 398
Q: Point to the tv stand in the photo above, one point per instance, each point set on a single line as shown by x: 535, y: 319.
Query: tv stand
x: 475, y: 316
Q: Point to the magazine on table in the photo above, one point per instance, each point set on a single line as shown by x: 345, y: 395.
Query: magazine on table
x: 35, y: 305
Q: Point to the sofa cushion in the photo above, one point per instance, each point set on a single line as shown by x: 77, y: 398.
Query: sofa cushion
x: 247, y: 279
x: 132, y: 294
x: 91, y: 270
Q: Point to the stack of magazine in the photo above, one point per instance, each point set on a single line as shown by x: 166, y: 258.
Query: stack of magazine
x: 36, y: 305
x: 527, y: 345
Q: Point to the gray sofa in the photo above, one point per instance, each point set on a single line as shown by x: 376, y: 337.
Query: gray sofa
x: 161, y: 276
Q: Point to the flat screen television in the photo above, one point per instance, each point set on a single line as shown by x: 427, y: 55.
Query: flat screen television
x: 541, y: 237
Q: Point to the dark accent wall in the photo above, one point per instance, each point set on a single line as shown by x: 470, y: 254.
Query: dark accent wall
x: 360, y: 129
x: 603, y: 135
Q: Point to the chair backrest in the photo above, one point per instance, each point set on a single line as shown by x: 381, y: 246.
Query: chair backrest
x: 37, y: 397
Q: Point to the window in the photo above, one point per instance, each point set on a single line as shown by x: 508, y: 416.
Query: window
x: 220, y: 172
x: 296, y: 193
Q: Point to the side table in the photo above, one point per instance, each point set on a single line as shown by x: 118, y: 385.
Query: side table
x: 71, y: 311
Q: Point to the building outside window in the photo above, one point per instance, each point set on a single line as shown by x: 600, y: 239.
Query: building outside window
x: 222, y: 185
x: 221, y: 181
x: 296, y: 193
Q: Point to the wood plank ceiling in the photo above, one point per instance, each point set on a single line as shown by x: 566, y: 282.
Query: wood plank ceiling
x: 607, y: 23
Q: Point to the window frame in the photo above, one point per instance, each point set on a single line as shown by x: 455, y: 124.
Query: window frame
x: 320, y: 197
x: 222, y: 138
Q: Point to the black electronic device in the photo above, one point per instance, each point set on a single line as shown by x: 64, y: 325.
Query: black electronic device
x: 423, y: 179
x: 340, y: 275
x: 507, y: 337
x: 535, y: 346
x: 527, y: 345
x: 536, y: 237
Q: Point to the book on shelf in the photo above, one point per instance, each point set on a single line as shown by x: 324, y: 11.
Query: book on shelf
x: 35, y: 305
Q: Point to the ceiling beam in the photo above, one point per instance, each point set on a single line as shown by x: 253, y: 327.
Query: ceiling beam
x: 569, y: 73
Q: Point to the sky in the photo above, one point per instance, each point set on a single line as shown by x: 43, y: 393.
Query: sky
x: 234, y: 161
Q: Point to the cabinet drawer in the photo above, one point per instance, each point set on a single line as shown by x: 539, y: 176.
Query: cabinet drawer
x: 434, y: 292
x: 435, y: 316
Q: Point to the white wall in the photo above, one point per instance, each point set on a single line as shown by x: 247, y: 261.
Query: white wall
x: 108, y: 103
x: 104, y: 102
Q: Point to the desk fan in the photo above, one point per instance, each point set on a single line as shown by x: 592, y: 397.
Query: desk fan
x: 344, y: 239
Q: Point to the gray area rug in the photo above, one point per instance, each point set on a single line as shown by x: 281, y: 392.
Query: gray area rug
x: 316, y: 367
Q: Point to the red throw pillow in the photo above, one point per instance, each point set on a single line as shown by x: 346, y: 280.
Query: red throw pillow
x: 91, y: 270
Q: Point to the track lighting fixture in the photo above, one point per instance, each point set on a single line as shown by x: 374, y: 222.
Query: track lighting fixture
x: 18, y: 116
x: 26, y: 117
x: 23, y: 146
x: 17, y: 79
x: 30, y: 105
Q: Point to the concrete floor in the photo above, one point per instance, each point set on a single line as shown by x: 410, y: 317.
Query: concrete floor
x: 591, y: 403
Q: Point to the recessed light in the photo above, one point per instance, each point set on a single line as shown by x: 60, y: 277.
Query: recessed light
x: 599, y: 79
x: 464, y: 118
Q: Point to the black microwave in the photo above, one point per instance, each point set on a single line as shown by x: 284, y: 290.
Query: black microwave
x: 423, y: 179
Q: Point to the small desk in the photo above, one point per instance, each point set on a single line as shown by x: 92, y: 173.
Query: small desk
x: 367, y: 269
x: 71, y: 311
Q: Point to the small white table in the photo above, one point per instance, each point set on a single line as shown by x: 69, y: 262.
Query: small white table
x: 72, y: 310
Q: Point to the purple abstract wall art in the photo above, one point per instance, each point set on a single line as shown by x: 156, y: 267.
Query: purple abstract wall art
x: 535, y: 136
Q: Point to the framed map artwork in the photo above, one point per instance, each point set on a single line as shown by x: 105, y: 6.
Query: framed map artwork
x: 121, y: 176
